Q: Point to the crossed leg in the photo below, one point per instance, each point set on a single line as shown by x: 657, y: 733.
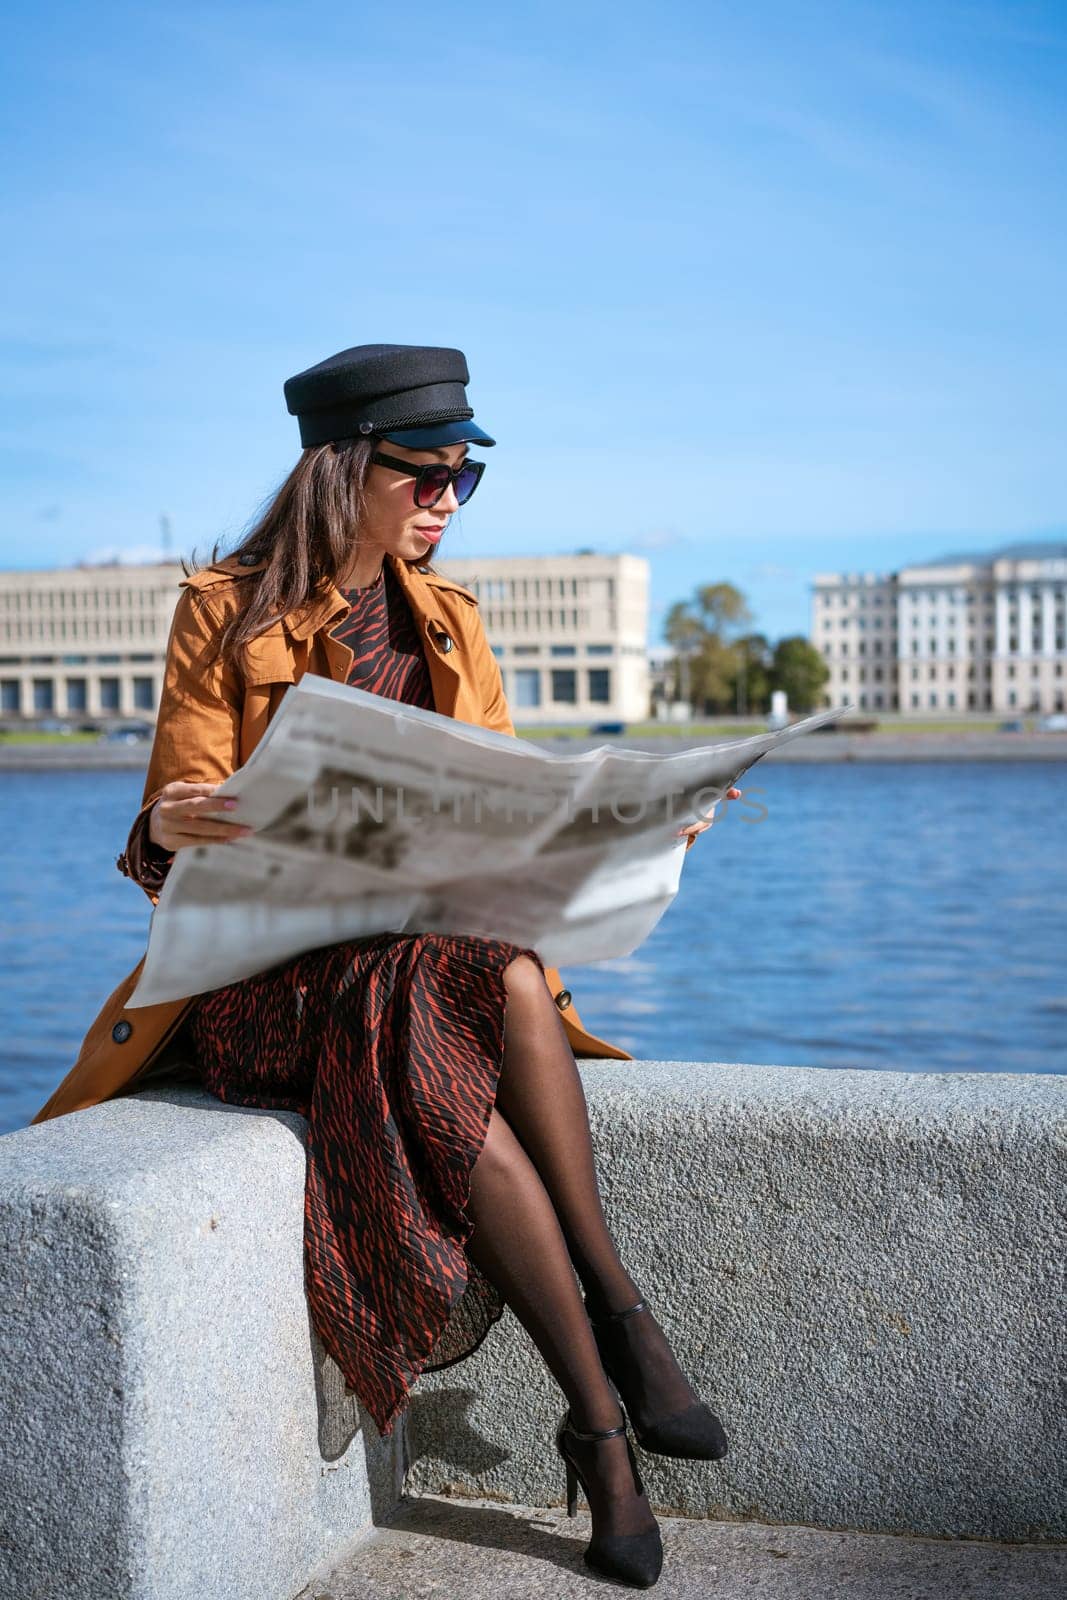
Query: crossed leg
x: 539, y: 1218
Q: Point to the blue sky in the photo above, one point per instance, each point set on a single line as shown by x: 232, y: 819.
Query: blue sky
x: 756, y: 291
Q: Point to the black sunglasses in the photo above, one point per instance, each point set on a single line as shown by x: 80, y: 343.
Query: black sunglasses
x: 432, y: 480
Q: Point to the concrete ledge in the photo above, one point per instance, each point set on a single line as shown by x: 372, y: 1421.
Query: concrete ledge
x: 862, y: 1272
x: 170, y: 1425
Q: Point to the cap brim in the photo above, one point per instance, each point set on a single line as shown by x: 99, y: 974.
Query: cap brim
x: 439, y: 433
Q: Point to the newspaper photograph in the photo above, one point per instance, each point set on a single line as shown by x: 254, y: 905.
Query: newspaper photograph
x: 372, y: 816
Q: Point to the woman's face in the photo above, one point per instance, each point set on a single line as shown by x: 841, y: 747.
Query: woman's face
x: 392, y: 523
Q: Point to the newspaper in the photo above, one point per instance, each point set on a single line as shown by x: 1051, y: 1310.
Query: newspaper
x: 372, y: 816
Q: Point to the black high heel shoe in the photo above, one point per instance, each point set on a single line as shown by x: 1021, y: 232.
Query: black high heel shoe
x: 634, y: 1558
x: 694, y: 1433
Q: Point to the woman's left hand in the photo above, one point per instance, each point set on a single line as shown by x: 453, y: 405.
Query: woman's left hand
x: 694, y: 828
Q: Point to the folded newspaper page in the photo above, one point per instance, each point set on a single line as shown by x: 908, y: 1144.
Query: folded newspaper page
x: 372, y: 816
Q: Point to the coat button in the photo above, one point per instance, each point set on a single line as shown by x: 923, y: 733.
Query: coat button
x: 563, y: 999
x: 445, y: 641
x: 249, y: 559
x: 121, y: 1031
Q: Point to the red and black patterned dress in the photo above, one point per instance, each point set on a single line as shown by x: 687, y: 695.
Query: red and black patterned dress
x: 391, y: 1047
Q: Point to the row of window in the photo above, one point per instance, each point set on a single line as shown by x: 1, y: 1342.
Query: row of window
x: 527, y: 686
x: 78, y: 661
x: 20, y: 600
x: 975, y: 701
x: 82, y: 628
x: 539, y: 621
x: 555, y: 650
x: 1036, y: 620
x: 935, y: 597
x: 949, y: 672
x: 512, y: 589
x: 42, y: 695
x: 1036, y: 646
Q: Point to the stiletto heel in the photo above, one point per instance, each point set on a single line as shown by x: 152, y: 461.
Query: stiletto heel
x: 633, y: 1558
x: 694, y: 1433
x: 572, y: 1488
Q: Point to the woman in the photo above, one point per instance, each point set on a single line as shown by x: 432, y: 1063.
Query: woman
x: 449, y: 1162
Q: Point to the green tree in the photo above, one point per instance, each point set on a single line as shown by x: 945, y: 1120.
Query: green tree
x: 705, y: 633
x: 800, y: 670
x: 752, y: 678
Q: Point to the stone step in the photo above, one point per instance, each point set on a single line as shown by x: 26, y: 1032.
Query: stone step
x: 447, y: 1548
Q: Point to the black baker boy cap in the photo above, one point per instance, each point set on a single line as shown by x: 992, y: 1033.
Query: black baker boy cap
x: 412, y: 394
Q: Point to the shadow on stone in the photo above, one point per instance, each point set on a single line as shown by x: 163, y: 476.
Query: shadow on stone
x: 537, y: 1536
x: 438, y: 1431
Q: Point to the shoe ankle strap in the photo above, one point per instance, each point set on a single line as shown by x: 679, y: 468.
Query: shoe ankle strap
x: 597, y: 1433
x: 617, y: 1316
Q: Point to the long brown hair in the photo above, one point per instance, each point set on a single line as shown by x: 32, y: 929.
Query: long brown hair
x: 305, y: 532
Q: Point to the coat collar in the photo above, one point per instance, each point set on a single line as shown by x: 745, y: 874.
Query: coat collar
x: 442, y: 639
x: 421, y: 587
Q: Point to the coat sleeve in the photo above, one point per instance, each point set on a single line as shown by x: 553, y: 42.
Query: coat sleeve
x: 198, y: 727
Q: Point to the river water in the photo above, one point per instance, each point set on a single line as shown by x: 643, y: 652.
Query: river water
x: 910, y: 917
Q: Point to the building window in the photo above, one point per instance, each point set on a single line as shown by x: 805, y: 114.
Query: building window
x: 144, y: 694
x: 77, y: 694
x: 563, y: 650
x: 565, y: 686
x: 109, y: 694
x: 599, y: 649
x: 43, y: 694
x: 10, y: 698
x: 498, y: 651
x: 527, y: 686
x: 600, y: 685
x: 525, y: 649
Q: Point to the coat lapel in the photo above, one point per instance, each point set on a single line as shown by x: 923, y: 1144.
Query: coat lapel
x: 444, y: 649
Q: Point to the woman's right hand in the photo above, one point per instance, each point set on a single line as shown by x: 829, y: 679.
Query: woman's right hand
x: 185, y: 813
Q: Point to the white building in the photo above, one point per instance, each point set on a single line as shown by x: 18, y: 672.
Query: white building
x: 570, y: 633
x: 975, y: 632
x: 85, y: 641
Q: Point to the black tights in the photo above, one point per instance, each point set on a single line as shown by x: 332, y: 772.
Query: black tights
x: 538, y: 1220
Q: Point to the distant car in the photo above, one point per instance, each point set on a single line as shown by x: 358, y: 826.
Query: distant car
x: 608, y: 727
x: 54, y: 725
x: 1012, y: 726
x: 1055, y: 722
x: 127, y: 733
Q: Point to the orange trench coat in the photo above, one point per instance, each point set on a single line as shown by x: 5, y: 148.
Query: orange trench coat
x: 210, y: 720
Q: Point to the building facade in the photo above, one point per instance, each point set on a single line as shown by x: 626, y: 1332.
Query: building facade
x: 85, y: 641
x: 570, y: 633
x: 980, y: 632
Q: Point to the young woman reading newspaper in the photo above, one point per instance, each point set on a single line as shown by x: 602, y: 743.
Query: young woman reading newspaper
x: 437, y: 1073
